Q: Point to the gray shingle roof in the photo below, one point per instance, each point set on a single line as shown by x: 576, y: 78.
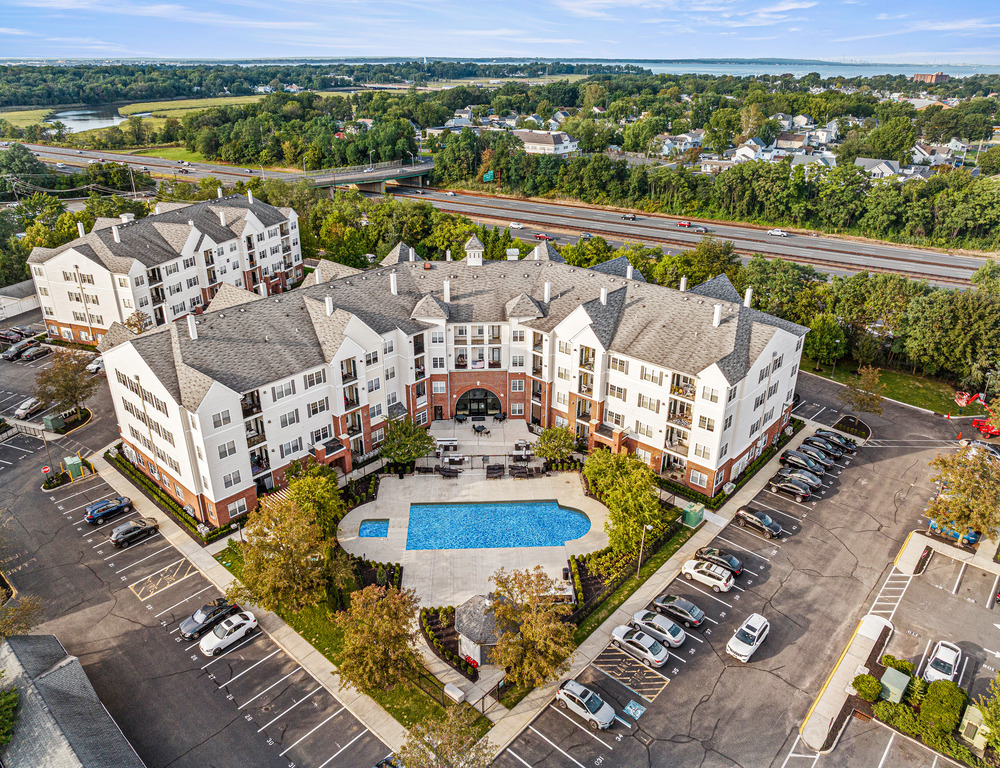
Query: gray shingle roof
x: 399, y: 254
x: 619, y: 268
x: 431, y: 308
x: 326, y: 270
x: 229, y: 295
x: 61, y: 721
x: 474, y: 244
x: 474, y: 619
x: 718, y: 287
x: 21, y: 290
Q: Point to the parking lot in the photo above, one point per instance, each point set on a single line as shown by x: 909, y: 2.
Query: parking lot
x: 119, y: 611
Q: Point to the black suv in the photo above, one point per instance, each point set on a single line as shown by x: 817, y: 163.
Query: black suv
x: 726, y: 559
x: 679, y: 609
x: 820, y: 457
x: 747, y: 517
x: 794, y: 488
x: 14, y: 351
x: 206, y: 617
x: 802, y: 475
x: 800, y: 460
x: 824, y: 445
x: 133, y: 531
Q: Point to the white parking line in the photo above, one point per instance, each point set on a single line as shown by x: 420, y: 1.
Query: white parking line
x: 327, y: 761
x: 671, y: 653
x: 18, y: 448
x: 585, y: 730
x: 237, y: 677
x: 816, y: 415
x: 303, y: 738
x: 784, y: 514
x: 790, y: 501
x: 8, y: 463
x: 896, y: 581
x: 182, y: 601
x: 513, y: 754
x: 740, y: 546
x: 709, y: 594
x: 253, y: 636
x: 556, y: 746
x: 993, y: 593
x: 143, y: 559
x: 271, y: 722
x: 959, y: 579
x: 961, y: 676
x: 885, y: 755
x: 156, y: 572
x: 297, y: 669
x: 67, y: 498
x: 923, y: 656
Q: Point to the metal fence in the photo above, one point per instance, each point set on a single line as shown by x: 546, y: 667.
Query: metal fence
x: 350, y: 169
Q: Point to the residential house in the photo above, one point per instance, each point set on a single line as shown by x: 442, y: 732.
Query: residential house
x: 957, y: 145
x: 878, y: 169
x: 931, y: 154
x: 465, y: 112
x: 786, y: 140
x: 784, y: 120
x: 937, y: 77
x: 803, y: 123
x: 815, y: 160
x: 547, y: 142
x: 598, y: 110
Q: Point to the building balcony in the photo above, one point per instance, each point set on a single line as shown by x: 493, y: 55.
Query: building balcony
x: 250, y: 407
x: 478, y: 340
x: 536, y: 347
x: 209, y: 261
x: 494, y: 364
x: 677, y: 447
x: 420, y: 373
x: 680, y: 420
x: 536, y: 395
x: 259, y: 465
x: 585, y: 389
x: 685, y: 391
x: 255, y: 438
x: 587, y: 364
x: 353, y: 429
x: 461, y: 364
x: 536, y: 372
x: 350, y: 405
x: 494, y: 340
x: 154, y: 278
x: 347, y: 377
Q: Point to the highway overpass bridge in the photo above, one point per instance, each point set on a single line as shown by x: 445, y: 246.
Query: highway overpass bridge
x: 373, y: 178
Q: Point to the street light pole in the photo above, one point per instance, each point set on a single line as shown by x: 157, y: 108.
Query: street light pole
x: 641, y: 546
x: 833, y: 373
x: 370, y: 153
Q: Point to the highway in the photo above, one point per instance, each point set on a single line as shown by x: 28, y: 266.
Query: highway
x: 567, y: 222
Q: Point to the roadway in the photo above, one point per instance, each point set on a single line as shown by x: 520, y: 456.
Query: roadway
x: 566, y: 222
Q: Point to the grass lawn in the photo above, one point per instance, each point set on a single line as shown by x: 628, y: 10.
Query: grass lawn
x: 162, y: 108
x: 167, y: 153
x: 921, y: 391
x: 22, y: 118
x: 623, y: 592
x: 408, y: 704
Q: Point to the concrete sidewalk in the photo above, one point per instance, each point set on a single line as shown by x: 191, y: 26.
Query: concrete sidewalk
x: 365, y: 709
x: 909, y: 556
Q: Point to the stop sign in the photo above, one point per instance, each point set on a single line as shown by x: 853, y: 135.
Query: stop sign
x: 46, y: 470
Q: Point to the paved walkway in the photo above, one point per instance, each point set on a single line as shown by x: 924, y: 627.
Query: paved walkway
x: 913, y: 548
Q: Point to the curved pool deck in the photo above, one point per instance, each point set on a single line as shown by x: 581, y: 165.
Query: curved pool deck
x: 451, y: 576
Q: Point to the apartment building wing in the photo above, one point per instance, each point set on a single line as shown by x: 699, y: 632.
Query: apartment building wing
x: 166, y: 265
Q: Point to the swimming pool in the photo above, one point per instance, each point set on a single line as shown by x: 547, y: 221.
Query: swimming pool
x: 491, y: 526
x: 373, y: 529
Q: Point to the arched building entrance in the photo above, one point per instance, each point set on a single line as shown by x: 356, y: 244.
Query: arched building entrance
x: 478, y: 402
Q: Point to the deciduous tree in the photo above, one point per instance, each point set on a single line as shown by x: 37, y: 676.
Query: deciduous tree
x: 990, y: 708
x: 972, y: 496
x: 138, y: 321
x: 66, y: 383
x: 627, y: 487
x: 406, y: 441
x: 825, y: 342
x: 10, y: 701
x: 447, y: 742
x: 19, y: 615
x: 864, y: 393
x: 555, y: 444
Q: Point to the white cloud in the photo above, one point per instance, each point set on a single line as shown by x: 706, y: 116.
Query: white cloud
x: 12, y: 31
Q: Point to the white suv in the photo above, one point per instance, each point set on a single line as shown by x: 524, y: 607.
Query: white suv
x: 748, y: 638
x: 709, y: 574
x: 585, y: 703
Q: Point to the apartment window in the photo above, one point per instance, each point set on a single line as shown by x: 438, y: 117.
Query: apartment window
x: 293, y: 446
x: 49, y: 311
x: 192, y: 282
x: 706, y: 423
x: 290, y: 418
x: 619, y: 393
x: 617, y: 364
x: 318, y: 407
x: 421, y: 418
x: 754, y: 427
x: 517, y: 385
x: 283, y: 390
x: 790, y: 396
x: 321, y: 435
x: 189, y: 262
x: 698, y: 478
x: 74, y: 296
x: 795, y: 369
x: 768, y: 416
x: 727, y: 423
x: 312, y: 379
x: 763, y: 373
x: 437, y: 337
x: 777, y: 362
x: 179, y: 309
x: 260, y: 237
x: 227, y: 449
x: 614, y: 418
x: 560, y: 421
x: 374, y: 385
x: 387, y: 347
x: 732, y: 394
x: 139, y: 280
x: 88, y: 279
x: 439, y: 387
x: 644, y: 456
x: 127, y: 303
x: 773, y: 389
x: 220, y: 419
x: 123, y: 282
x: 759, y: 401
x: 391, y: 398
x: 565, y: 348
x: 562, y: 398
x: 375, y: 412
x: 517, y: 409
x: 517, y: 337
x: 172, y: 269
x: 648, y: 374
x: 724, y: 450
x: 143, y: 302
x: 517, y: 361
x: 378, y: 436
x: 194, y: 302
x: 232, y: 247
x: 390, y: 373
x: 712, y: 395
x: 97, y: 320
x: 233, y: 478
x: 37, y: 271
x: 649, y: 403
x: 80, y: 317
x: 272, y: 232
x: 643, y: 429
x: 562, y: 373
x: 437, y: 362
x: 175, y: 288
x: 371, y: 358
x: 702, y: 451
x: 238, y: 507
x: 68, y: 277
x: 798, y: 344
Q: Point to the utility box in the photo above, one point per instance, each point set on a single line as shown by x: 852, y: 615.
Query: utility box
x: 74, y: 466
x: 694, y: 513
x: 53, y: 422
x: 894, y: 684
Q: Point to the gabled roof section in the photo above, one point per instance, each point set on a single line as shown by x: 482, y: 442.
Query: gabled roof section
x: 522, y: 305
x: 329, y: 328
x: 115, y: 335
x: 604, y: 318
x: 399, y: 254
x: 429, y: 307
x: 105, y: 222
x: 718, y: 287
x: 231, y: 296
x: 474, y: 244
x: 326, y: 270
x: 619, y: 268
x: 193, y: 384
x: 545, y: 252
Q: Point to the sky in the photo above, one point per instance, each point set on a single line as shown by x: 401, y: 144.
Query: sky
x: 892, y: 31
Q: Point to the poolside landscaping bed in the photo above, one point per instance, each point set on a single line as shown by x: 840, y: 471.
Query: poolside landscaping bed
x: 360, y: 491
x: 367, y: 572
x: 438, y: 628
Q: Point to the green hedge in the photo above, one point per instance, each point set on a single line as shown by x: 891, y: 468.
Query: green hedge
x: 721, y: 498
x: 905, y: 719
x: 902, y: 665
x: 577, y: 582
x: 867, y: 687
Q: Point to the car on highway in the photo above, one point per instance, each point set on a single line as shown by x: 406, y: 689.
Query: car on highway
x: 845, y: 443
x: 628, y: 217
x: 543, y: 236
x: 35, y: 352
x: 650, y: 652
x: 100, y: 512
x: 943, y: 663
x: 79, y: 151
x: 133, y: 531
x: 658, y: 627
x: 60, y: 165
x: 748, y: 638
x: 800, y: 460
x: 248, y: 170
x: 14, y: 351
x: 802, y: 475
x: 757, y: 520
x: 777, y: 233
x: 144, y: 169
x: 182, y: 170
x: 516, y: 225
x: 820, y: 457
x: 586, y: 236
x: 185, y: 163
x: 206, y: 617
x: 582, y: 701
x: 790, y: 487
x: 814, y: 441
x: 709, y: 574
x: 369, y: 170
x: 680, y: 609
x: 966, y: 539
x: 229, y: 631
x: 449, y: 194
x: 684, y: 224
x: 700, y: 230
x: 29, y: 407
x: 96, y: 365
x: 722, y: 557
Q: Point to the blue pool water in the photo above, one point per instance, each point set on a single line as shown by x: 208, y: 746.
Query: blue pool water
x: 373, y: 529
x: 490, y: 526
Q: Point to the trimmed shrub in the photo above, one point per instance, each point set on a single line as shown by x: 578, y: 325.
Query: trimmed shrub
x: 868, y: 687
x: 915, y: 692
x: 902, y: 665
x: 942, y: 708
x: 898, y: 716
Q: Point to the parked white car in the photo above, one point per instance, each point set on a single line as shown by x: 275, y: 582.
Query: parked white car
x: 944, y: 662
x: 516, y: 225
x: 647, y: 650
x: 748, y: 638
x: 658, y: 627
x: 709, y: 574
x: 29, y: 407
x: 582, y: 701
x: 777, y: 233
x: 96, y: 365
x: 226, y: 633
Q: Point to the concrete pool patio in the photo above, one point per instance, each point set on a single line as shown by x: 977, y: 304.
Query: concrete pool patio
x: 451, y: 576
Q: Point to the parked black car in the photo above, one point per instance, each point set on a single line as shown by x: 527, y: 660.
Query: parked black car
x: 100, y: 512
x: 845, y: 443
x: 748, y: 517
x: 794, y: 488
x: 133, y: 531
x: 34, y: 353
x: 722, y: 557
x: 206, y: 617
x: 802, y: 475
x: 824, y: 445
x: 800, y: 460
x: 820, y: 457
x: 679, y: 609
x: 15, y: 351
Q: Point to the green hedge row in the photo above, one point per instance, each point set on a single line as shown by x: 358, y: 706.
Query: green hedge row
x: 451, y: 658
x: 721, y: 498
x: 577, y: 581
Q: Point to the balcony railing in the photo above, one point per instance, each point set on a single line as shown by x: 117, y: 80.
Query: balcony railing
x: 255, y: 439
x: 536, y: 395
x: 587, y: 363
x: 350, y: 404
x: 680, y: 420
x: 537, y: 347
x: 250, y: 408
x: 353, y: 429
x: 686, y: 391
x: 536, y: 372
x: 494, y: 363
x: 583, y: 416
x: 258, y: 465
x: 461, y: 364
x: 677, y: 446
x: 494, y: 339
x: 585, y: 389
x: 347, y: 377
x: 154, y: 278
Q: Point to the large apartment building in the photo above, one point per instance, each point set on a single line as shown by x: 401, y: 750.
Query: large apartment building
x: 166, y: 265
x: 695, y: 382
